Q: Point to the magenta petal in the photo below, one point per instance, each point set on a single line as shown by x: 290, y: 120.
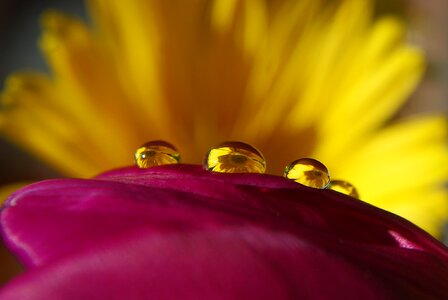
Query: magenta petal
x: 223, y: 264
x: 178, y: 231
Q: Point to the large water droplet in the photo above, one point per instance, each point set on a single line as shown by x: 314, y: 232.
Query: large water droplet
x: 309, y: 172
x: 156, y: 153
x: 234, y: 157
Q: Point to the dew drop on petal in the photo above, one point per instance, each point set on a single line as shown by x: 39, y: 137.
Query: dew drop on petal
x: 309, y: 172
x: 343, y: 187
x: 156, y: 153
x: 234, y: 157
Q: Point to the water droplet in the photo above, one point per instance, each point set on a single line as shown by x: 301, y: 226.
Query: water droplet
x: 344, y: 187
x: 235, y: 157
x: 156, y: 153
x: 309, y: 172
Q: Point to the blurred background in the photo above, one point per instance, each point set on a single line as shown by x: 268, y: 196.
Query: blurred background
x: 20, y: 30
x: 19, y: 33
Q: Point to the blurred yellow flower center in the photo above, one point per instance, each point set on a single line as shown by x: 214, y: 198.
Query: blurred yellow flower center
x: 156, y: 153
x: 235, y: 157
x: 309, y: 172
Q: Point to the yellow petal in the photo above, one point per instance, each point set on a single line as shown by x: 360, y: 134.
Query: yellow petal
x: 373, y: 101
x: 83, y: 73
x: 32, y: 120
x: 223, y: 13
x: 401, y: 166
x: 426, y: 208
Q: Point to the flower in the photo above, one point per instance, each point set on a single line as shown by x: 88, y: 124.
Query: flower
x: 293, y: 78
x: 177, y: 231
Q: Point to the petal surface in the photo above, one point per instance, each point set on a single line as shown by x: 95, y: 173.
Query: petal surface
x: 178, y: 231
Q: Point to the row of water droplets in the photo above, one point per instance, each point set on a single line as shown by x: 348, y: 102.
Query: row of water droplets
x: 239, y: 157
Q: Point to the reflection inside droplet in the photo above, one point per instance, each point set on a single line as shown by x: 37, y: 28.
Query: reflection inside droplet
x: 156, y: 153
x: 344, y: 187
x: 309, y: 172
x: 235, y: 157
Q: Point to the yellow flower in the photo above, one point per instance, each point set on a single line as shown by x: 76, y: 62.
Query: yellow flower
x: 293, y: 78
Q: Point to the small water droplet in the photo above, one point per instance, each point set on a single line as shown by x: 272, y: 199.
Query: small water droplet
x: 156, y: 153
x: 344, y: 187
x: 309, y: 172
x: 234, y: 157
